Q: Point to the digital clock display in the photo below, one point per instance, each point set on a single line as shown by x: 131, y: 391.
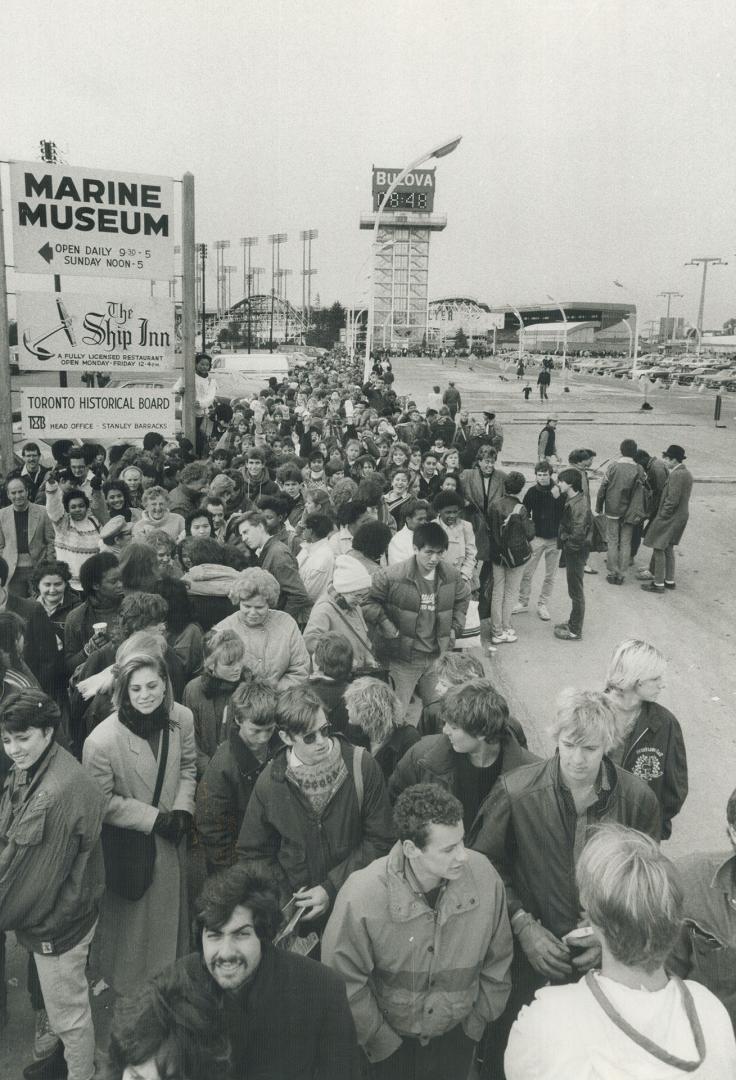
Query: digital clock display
x: 404, y: 200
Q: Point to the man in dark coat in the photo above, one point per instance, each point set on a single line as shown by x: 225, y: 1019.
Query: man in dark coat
x: 666, y: 528
x: 477, y: 746
x: 225, y: 789
x: 278, y: 560
x: 319, y: 810
x: 284, y: 1015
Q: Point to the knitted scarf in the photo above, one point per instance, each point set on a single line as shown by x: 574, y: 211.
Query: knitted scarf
x: 318, y: 783
x: 145, y: 725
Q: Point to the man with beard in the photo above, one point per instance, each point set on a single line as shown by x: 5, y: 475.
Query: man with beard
x: 285, y: 1015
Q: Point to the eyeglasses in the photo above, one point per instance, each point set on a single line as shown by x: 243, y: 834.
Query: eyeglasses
x: 311, y: 737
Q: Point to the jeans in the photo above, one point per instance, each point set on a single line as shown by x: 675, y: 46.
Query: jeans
x: 618, y: 536
x: 542, y: 392
x: 506, y: 581
x: 574, y: 568
x: 446, y: 1057
x: 540, y: 547
x: 664, y: 564
x: 415, y: 674
x: 66, y: 994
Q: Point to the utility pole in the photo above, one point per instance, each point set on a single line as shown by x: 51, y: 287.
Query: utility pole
x: 228, y: 272
x: 704, y: 261
x: 50, y: 154
x: 247, y: 242
x: 283, y: 275
x: 203, y: 257
x: 669, y: 293
x: 275, y: 240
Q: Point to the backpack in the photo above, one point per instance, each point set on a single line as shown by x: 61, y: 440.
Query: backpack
x: 641, y: 503
x: 514, y: 548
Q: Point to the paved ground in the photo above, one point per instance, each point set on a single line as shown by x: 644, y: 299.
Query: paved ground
x: 693, y: 626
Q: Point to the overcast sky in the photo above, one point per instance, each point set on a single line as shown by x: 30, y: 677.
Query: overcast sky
x: 599, y: 139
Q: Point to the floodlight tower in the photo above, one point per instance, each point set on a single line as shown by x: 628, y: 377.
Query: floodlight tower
x: 307, y: 236
x: 275, y: 240
x: 669, y: 293
x: 220, y: 246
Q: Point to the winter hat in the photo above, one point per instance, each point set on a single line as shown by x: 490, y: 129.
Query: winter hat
x: 350, y: 575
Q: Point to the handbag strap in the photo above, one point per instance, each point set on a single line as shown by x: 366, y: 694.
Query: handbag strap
x: 641, y: 1040
x: 161, y: 765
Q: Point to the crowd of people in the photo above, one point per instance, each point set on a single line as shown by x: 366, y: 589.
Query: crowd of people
x: 259, y: 781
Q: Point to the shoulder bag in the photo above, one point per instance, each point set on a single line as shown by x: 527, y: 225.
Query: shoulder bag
x: 129, y: 854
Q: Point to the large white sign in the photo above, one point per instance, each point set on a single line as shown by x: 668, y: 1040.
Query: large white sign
x: 123, y: 413
x: 66, y: 331
x: 88, y: 221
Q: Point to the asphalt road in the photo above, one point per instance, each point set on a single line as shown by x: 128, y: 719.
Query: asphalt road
x: 693, y: 625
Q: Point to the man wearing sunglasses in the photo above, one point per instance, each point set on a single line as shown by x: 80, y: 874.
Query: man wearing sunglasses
x: 318, y: 812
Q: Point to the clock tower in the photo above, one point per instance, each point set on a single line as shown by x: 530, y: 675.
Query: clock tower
x: 401, y: 259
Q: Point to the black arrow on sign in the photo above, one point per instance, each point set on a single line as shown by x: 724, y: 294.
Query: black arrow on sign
x: 47, y: 252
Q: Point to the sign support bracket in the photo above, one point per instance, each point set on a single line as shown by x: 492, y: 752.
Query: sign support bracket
x: 6, y: 405
x: 189, y: 301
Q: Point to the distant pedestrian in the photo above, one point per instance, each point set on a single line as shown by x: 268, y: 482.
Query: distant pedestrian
x: 667, y: 527
x: 575, y: 528
x: 615, y: 500
x: 543, y: 380
x: 547, y: 441
x: 527, y: 392
x: 451, y: 398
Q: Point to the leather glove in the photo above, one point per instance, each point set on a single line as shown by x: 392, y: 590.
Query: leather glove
x: 166, y: 827
x: 182, y: 821
x: 546, y: 953
x: 96, y: 483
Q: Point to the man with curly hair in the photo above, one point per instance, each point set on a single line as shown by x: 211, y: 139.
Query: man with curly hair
x: 422, y: 940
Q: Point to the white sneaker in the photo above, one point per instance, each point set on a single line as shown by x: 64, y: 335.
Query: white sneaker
x: 519, y: 609
x: 510, y: 636
x: 499, y: 639
x: 542, y: 612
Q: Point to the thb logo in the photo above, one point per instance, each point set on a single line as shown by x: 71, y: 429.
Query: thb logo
x: 37, y: 423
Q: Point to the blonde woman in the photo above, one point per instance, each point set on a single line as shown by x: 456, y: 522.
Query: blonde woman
x: 376, y: 722
x: 650, y: 742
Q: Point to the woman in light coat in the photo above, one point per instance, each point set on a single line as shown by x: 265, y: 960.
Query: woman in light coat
x: 274, y: 648
x: 138, y: 938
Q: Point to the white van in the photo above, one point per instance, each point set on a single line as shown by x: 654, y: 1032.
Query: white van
x: 261, y: 365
